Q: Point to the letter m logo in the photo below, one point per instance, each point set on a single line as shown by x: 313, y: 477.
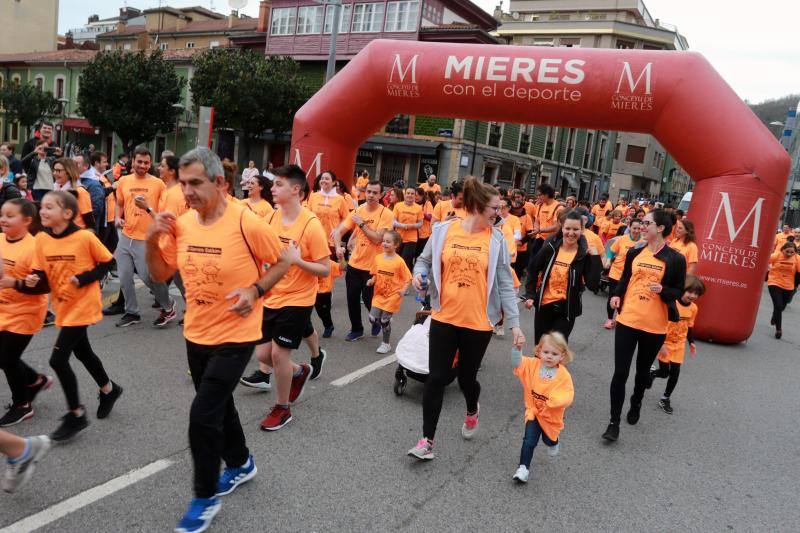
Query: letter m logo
x: 315, y: 168
x: 733, y: 231
x: 627, y: 75
x: 403, y: 70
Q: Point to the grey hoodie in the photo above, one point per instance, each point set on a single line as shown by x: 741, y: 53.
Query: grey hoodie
x: 502, y: 299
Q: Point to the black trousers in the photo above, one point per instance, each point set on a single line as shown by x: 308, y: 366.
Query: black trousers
x: 626, y: 341
x: 407, y: 252
x: 420, y: 246
x: 215, y: 432
x: 549, y: 318
x: 323, y: 307
x: 521, y: 264
x: 671, y: 371
x: 18, y: 374
x: 356, y: 282
x: 73, y: 339
x: 780, y: 299
x: 445, y: 341
x: 612, y: 286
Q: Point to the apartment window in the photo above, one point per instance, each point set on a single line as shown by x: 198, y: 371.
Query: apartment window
x: 525, y: 139
x: 59, y: 93
x: 367, y: 18
x: 532, y: 18
x: 597, y: 16
x: 401, y: 16
x: 601, y: 155
x: 283, y: 21
x: 39, y: 82
x: 107, y: 48
x: 126, y: 46
x: 616, y: 151
x: 543, y: 42
x: 399, y: 124
x: 635, y: 154
x: 624, y: 45
x: 652, y: 47
x: 15, y: 131
x: 213, y: 44
x: 190, y: 44
x: 550, y: 145
x: 571, y: 139
x: 164, y: 46
x: 569, y: 42
x: 344, y: 23
x: 16, y: 79
x: 587, y: 151
x: 309, y: 20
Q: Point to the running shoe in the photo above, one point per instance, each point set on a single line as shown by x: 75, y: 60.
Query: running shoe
x: 663, y: 403
x: 354, y: 336
x: 521, y: 475
x: 257, y: 380
x: 199, y: 516
x: 385, y: 347
x: 113, y: 309
x: 299, y: 383
x: 71, y: 425
x: 423, y: 450
x: 277, y: 418
x: 19, y: 471
x: 650, y: 378
x: 375, y: 330
x: 778, y: 333
x: 49, y: 319
x: 128, y: 319
x: 610, y: 323
x: 165, y: 317
x: 612, y: 433
x: 16, y: 414
x: 317, y: 363
x: 470, y: 426
x: 633, y: 413
x: 232, y: 477
x: 43, y: 383
x: 107, y: 401
x: 553, y: 450
x: 326, y: 334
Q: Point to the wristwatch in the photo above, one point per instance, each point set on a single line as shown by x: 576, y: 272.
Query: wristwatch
x: 260, y: 289
x: 149, y: 210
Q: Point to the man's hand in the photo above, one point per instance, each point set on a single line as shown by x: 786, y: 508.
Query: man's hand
x: 340, y: 252
x: 291, y: 254
x: 31, y: 280
x: 370, y: 282
x: 163, y: 224
x: 528, y: 304
x: 141, y: 202
x: 357, y: 219
x: 118, y: 222
x: 416, y: 281
x: 614, y: 302
x: 244, y: 300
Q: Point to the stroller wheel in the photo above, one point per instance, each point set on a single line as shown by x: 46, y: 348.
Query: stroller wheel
x: 399, y: 387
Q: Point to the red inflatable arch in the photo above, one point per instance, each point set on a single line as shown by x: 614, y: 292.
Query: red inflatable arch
x: 740, y: 169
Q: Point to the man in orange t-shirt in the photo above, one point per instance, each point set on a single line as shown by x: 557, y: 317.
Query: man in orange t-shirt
x: 453, y: 208
x: 137, y: 194
x: 430, y: 185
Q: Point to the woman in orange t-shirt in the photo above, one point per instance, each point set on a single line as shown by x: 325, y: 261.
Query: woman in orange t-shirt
x: 423, y: 199
x: 685, y: 242
x: 610, y: 227
x: 65, y: 177
x: 69, y: 263
x: 259, y: 187
x: 21, y: 315
x: 469, y: 282
x: 329, y: 206
x: 408, y: 219
x: 783, y: 265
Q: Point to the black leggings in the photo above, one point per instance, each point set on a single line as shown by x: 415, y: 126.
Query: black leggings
x: 626, y: 340
x: 445, y: 341
x: 420, y: 246
x: 549, y: 318
x: 780, y: 299
x: 407, y: 252
x: 671, y: 371
x: 323, y: 307
x: 612, y: 286
x: 520, y: 265
x: 73, y: 339
x: 19, y: 375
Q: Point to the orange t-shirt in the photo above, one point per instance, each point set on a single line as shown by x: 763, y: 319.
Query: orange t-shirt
x: 428, y: 188
x: 675, y: 343
x: 359, y: 189
x: 425, y: 229
x: 173, y: 201
x: 556, y: 289
x: 326, y: 283
x: 137, y: 220
x: 330, y: 210
x: 545, y: 399
x: 60, y: 259
x: 782, y: 270
x: 689, y: 251
x: 349, y: 202
x: 262, y: 208
x: 599, y: 212
x: 84, y: 206
x: 780, y: 240
x: 111, y: 199
x: 530, y: 209
x: 298, y: 288
x: 547, y: 215
x: 609, y: 229
x: 408, y: 214
x: 463, y: 295
x: 445, y: 208
x: 20, y: 313
x: 526, y: 226
x: 363, y: 255
x: 512, y: 230
x: 642, y: 308
x: 391, y: 275
x: 215, y: 260
x: 592, y: 239
x: 620, y: 249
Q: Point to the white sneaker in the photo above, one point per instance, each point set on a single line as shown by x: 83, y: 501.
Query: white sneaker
x: 521, y: 475
x: 552, y: 451
x: 385, y: 347
x: 19, y: 472
x: 423, y: 450
x: 499, y: 331
x: 470, y: 426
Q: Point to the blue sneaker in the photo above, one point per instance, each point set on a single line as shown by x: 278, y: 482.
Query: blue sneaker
x: 327, y: 333
x: 199, y: 516
x: 376, y: 329
x: 233, y: 477
x: 354, y: 336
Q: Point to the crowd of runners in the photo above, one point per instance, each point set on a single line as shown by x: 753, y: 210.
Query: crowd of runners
x: 252, y: 271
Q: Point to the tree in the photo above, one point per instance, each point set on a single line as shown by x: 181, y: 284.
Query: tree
x: 250, y: 92
x: 132, y: 94
x: 27, y: 104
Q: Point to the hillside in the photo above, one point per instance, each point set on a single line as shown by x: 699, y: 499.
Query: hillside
x: 774, y: 110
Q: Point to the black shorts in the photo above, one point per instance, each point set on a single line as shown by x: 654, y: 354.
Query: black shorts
x: 286, y: 326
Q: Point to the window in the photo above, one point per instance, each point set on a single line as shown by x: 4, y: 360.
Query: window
x: 107, y: 48
x: 543, y: 42
x: 163, y: 46
x: 601, y: 159
x: 525, y: 139
x: 587, y: 151
x: 616, y: 151
x: 569, y: 42
x: 16, y: 79
x: 624, y: 45
x: 344, y: 23
x: 59, y: 92
x: 495, y: 131
x: 39, y: 82
x: 571, y: 139
x: 15, y: 131
x: 126, y: 46
x: 399, y: 124
x: 190, y: 44
x: 532, y: 18
x: 309, y: 20
x: 401, y: 16
x: 213, y: 44
x: 550, y: 145
x: 367, y: 18
x: 635, y: 154
x: 652, y: 47
x: 283, y: 20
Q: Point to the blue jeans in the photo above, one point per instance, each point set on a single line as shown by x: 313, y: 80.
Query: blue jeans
x: 532, y: 433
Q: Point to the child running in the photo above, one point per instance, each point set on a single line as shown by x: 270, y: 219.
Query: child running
x: 670, y: 357
x: 547, y: 385
x: 324, y: 297
x: 70, y: 262
x: 390, y: 277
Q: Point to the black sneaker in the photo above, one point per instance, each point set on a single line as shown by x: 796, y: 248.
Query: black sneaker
x: 257, y: 380
x: 650, y: 378
x: 16, y: 414
x: 612, y: 433
x: 633, y: 413
x: 128, y: 319
x: 165, y: 317
x: 71, y: 425
x: 328, y: 332
x: 107, y: 401
x: 663, y: 403
x: 113, y: 310
x: 49, y: 319
x: 44, y: 383
x: 317, y: 363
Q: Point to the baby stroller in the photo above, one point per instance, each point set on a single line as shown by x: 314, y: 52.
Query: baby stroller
x: 412, y: 354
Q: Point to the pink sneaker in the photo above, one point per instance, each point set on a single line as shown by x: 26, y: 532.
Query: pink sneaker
x: 423, y: 450
x: 610, y: 323
x: 470, y: 426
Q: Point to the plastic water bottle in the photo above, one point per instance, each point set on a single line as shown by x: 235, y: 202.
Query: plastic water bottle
x: 516, y: 352
x: 422, y: 294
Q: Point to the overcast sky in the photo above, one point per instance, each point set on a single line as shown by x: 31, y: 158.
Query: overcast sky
x: 756, y: 51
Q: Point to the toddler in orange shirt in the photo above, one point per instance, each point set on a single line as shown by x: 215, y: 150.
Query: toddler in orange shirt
x: 547, y: 385
x: 390, y: 276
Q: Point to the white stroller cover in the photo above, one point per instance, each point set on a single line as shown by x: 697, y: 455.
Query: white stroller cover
x: 412, y: 350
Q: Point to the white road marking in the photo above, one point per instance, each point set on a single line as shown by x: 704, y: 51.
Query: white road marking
x: 87, y: 497
x: 360, y: 373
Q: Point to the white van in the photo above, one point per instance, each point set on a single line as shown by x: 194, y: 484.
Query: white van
x: 685, y: 202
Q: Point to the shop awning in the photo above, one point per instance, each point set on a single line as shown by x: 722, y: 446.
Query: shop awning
x: 79, y: 125
x: 400, y: 145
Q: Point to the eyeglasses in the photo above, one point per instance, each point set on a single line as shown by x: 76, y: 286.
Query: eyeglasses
x: 646, y: 223
x: 493, y: 207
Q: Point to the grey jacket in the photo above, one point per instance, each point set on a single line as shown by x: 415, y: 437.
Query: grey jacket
x: 502, y: 299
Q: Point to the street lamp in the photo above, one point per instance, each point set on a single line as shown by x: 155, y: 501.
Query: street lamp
x: 63, y: 102
x: 337, y: 17
x: 178, y: 107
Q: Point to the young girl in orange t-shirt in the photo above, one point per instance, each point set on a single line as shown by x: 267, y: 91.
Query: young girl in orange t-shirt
x: 391, y: 277
x: 547, y: 385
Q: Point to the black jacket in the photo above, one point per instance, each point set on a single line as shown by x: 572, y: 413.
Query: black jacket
x: 672, y: 281
x: 584, y: 270
x: 33, y: 168
x: 8, y: 191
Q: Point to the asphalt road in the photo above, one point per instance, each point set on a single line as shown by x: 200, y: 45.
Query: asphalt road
x: 727, y: 460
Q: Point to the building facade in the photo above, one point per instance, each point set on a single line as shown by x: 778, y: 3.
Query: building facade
x: 28, y: 26
x: 96, y: 26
